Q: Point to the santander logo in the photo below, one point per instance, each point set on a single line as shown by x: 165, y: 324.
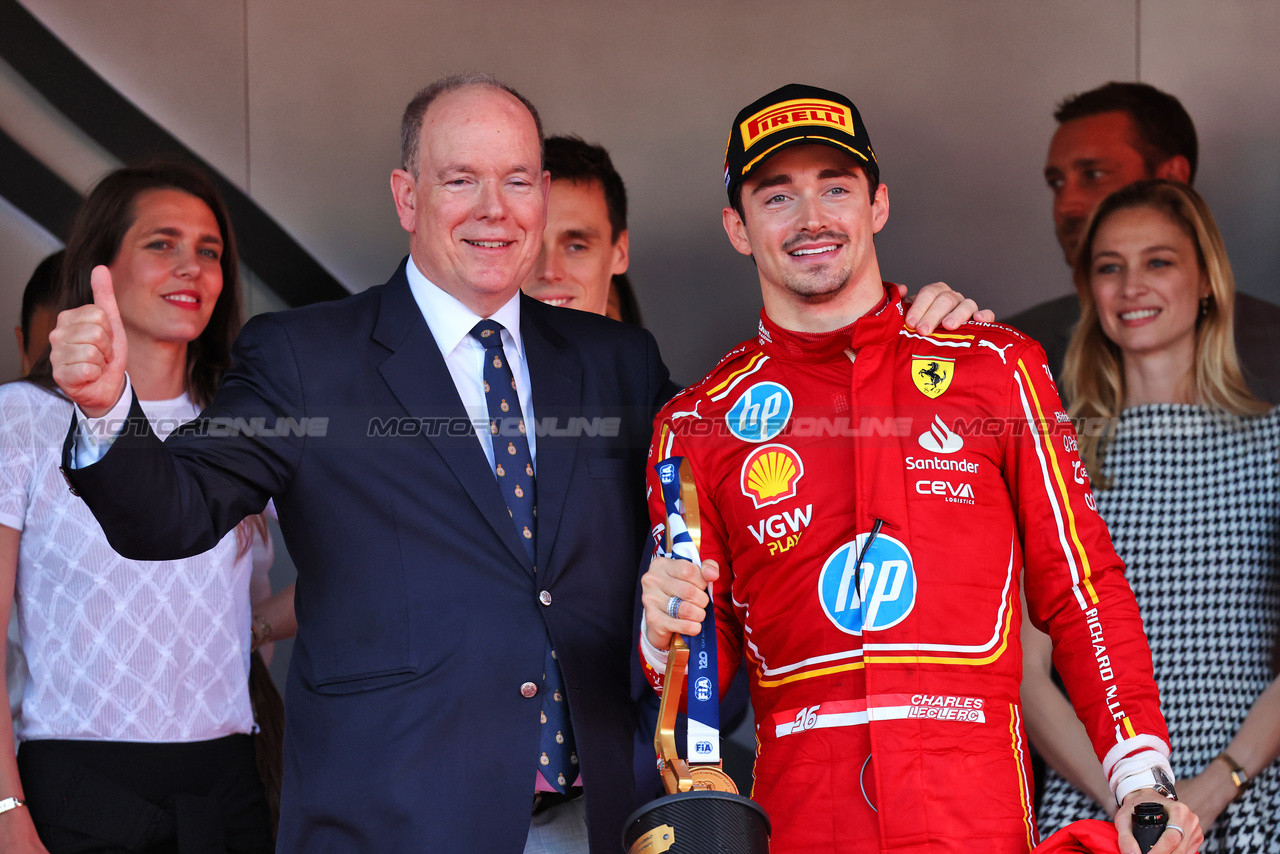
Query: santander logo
x: 939, y: 438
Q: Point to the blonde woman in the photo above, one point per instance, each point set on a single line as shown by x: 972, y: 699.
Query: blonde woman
x: 1184, y: 471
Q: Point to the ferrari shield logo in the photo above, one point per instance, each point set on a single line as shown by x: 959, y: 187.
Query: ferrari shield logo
x: 932, y: 374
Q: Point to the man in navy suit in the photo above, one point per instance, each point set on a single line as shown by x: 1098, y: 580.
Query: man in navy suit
x: 418, y: 676
x: 427, y: 609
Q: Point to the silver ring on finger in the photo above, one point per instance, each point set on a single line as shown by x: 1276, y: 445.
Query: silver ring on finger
x: 1181, y: 832
x: 673, y: 607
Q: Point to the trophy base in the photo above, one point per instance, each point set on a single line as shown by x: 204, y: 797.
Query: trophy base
x: 698, y: 822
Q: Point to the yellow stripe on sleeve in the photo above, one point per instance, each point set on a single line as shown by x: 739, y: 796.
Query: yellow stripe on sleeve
x: 664, y: 449
x: 1062, y: 486
x: 733, y: 376
x: 946, y: 336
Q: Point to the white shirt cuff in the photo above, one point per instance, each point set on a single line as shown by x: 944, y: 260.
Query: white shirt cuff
x: 1138, y: 772
x: 94, y: 436
x: 654, y: 657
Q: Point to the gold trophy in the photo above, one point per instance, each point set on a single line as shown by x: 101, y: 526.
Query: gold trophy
x: 703, y: 810
x: 677, y: 774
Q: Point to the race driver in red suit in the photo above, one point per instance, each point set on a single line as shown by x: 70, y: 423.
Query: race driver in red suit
x: 876, y: 505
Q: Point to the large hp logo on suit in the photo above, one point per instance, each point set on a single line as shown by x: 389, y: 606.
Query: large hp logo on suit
x: 888, y: 585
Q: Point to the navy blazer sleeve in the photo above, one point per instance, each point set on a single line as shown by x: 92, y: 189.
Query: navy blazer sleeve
x: 220, y: 468
x: 420, y: 615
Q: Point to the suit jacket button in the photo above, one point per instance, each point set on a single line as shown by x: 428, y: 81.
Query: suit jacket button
x: 528, y: 689
x: 545, y: 597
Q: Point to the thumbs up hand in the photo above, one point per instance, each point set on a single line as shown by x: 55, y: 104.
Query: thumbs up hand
x: 88, y: 349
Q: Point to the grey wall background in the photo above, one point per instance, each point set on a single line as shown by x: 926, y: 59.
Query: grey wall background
x: 298, y: 103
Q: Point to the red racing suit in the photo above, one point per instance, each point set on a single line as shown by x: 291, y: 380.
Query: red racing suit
x: 890, y: 683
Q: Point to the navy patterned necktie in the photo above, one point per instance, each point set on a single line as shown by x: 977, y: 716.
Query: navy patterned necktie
x: 512, y: 462
x: 513, y: 466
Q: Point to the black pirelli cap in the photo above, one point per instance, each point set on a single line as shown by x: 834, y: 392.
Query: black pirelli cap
x: 793, y: 115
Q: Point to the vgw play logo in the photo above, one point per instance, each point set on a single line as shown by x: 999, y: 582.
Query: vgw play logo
x: 887, y: 591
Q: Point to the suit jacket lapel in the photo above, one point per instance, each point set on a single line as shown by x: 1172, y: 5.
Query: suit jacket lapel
x: 557, y: 395
x: 418, y: 377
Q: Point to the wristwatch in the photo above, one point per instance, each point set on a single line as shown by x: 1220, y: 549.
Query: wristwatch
x: 1157, y: 779
x: 259, y: 630
x: 1164, y: 785
x: 1239, y: 776
x: 11, y: 804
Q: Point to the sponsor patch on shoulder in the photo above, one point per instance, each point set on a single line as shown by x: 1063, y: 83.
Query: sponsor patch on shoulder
x: 932, y: 374
x: 760, y: 413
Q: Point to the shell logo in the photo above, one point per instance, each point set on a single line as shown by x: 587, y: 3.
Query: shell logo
x: 770, y: 474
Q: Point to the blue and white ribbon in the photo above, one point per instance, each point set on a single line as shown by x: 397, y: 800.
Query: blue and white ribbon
x: 704, y: 685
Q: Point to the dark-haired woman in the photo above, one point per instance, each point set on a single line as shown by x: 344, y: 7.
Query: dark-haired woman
x: 136, y: 723
x: 1189, y: 485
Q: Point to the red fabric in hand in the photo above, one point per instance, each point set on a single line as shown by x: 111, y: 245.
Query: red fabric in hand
x: 1082, y: 837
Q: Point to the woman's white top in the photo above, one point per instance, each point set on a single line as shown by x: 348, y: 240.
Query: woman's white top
x: 116, y: 649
